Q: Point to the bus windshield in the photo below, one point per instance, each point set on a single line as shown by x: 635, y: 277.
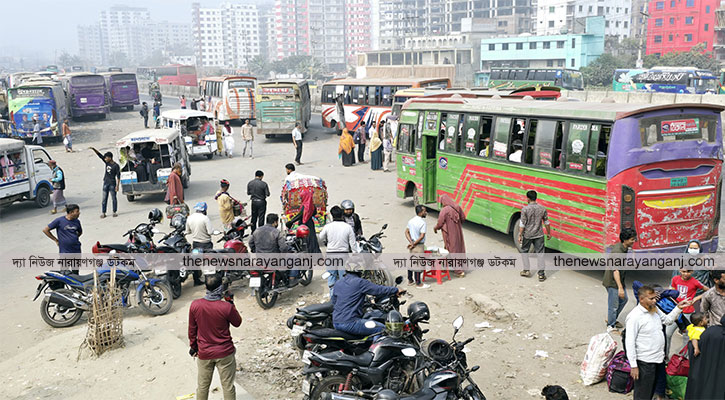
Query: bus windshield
x: 123, y: 78
x: 241, y: 84
x: 93, y: 80
x: 684, y: 127
x: 573, y: 80
x: 24, y: 93
x: 706, y: 85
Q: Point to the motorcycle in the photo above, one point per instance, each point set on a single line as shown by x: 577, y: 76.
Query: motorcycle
x: 268, y: 284
x: 233, y: 243
x: 174, y: 242
x: 372, y: 245
x: 67, y: 296
x: 140, y: 238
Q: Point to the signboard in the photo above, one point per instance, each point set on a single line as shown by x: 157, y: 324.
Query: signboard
x: 276, y: 90
x: 690, y: 126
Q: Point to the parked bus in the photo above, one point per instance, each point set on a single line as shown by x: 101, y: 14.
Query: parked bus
x: 366, y: 99
x: 86, y: 94
x: 667, y: 188
x: 44, y: 101
x: 280, y: 104
x: 665, y: 80
x: 176, y: 74
x: 122, y: 88
x: 232, y: 97
x: 514, y: 78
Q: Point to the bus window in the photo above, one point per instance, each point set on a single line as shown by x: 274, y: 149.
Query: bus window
x: 469, y: 137
x: 346, y: 91
x: 603, y: 150
x: 596, y: 158
x: 540, y: 74
x: 451, y: 134
x: 442, y: 132
x: 431, y: 121
x: 521, y: 74
x: 387, y: 96
x: 576, y: 145
x: 484, y: 138
x: 373, y: 94
x: 551, y: 75
x: 357, y: 95
x: 459, y: 135
x: 529, y: 142
x: 684, y: 127
x: 328, y: 94
x: 404, y: 138
x: 558, y: 144
x: 419, y: 132
x: 495, y: 74
x: 544, y: 144
x: 501, y: 140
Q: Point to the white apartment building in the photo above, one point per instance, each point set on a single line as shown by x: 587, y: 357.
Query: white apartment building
x: 90, y: 44
x: 225, y: 37
x: 554, y: 17
x: 122, y: 31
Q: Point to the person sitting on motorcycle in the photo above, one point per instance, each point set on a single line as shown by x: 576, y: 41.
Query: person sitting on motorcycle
x: 348, y: 299
x: 351, y: 217
x: 268, y: 239
x: 339, y: 238
x: 198, y: 225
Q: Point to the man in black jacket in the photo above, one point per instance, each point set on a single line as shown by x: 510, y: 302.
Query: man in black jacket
x: 351, y: 217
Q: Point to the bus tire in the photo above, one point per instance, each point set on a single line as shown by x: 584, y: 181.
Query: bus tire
x: 42, y: 197
x: 416, y: 198
x: 210, y: 156
x: 130, y: 198
x: 102, y: 116
x: 268, y: 136
x: 515, y: 233
x: 129, y: 108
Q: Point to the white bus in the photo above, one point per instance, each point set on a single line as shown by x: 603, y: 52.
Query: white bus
x: 229, y: 97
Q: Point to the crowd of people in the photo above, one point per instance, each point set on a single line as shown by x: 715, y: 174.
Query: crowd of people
x: 381, y: 150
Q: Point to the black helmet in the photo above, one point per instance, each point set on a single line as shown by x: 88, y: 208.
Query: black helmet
x: 438, y: 350
x: 238, y: 222
x: 418, y: 311
x: 155, y: 215
x: 178, y: 221
x: 386, y: 394
x: 347, y: 205
x: 394, y: 324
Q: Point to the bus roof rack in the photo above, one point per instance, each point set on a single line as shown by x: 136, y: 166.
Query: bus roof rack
x: 608, y: 100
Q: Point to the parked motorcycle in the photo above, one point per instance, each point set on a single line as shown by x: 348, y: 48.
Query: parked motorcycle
x: 268, y: 284
x: 174, y: 242
x: 67, y: 296
x: 372, y: 245
x: 140, y: 238
x: 233, y: 243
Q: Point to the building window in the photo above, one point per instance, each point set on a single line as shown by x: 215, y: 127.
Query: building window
x: 519, y: 46
x: 670, y: 37
x: 491, y: 47
x: 658, y: 22
x: 672, y: 4
x: 504, y: 46
x: 552, y: 9
x: 672, y: 20
x: 606, y: 24
x: 658, y: 38
x: 532, y: 45
x: 707, y: 26
x: 551, y: 24
x: 688, y: 37
x: 573, y: 63
x: 690, y: 3
x: 626, y: 25
x: 581, y: 9
x: 547, y: 45
x: 660, y: 5
x: 688, y: 20
x: 550, y: 63
x: 573, y: 43
x: 560, y: 63
x: 707, y: 9
x: 559, y: 44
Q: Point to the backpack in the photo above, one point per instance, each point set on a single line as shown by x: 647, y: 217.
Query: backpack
x: 618, y: 378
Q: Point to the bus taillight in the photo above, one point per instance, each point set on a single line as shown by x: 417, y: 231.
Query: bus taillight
x: 627, y: 215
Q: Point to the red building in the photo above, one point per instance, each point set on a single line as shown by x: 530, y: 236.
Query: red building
x: 678, y: 25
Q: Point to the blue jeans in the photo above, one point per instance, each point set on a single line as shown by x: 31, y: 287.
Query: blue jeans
x: 357, y: 327
x: 334, y: 277
x: 109, y: 188
x: 615, y: 305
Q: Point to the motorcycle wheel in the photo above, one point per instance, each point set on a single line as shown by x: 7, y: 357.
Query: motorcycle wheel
x: 156, y: 299
x: 379, y: 277
x: 175, y: 285
x: 58, y: 316
x: 265, y: 298
x: 305, y: 277
x: 330, y: 384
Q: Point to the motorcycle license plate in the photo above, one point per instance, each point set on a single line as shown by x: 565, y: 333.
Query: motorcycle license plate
x: 306, y: 358
x: 255, y: 281
x: 182, y: 272
x: 297, y: 330
x: 306, y: 387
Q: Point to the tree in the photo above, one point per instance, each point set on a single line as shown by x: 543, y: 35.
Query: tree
x: 118, y: 59
x: 259, y: 67
x: 696, y: 57
x: 600, y: 71
x: 67, y: 60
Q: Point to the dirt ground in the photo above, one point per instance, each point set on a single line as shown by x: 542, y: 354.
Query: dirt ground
x: 557, y: 316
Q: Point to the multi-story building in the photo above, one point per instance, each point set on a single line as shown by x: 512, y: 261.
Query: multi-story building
x: 358, y: 26
x: 565, y: 50
x: 90, y: 44
x: 290, y: 28
x: 225, y: 37
x: 678, y: 25
x: 329, y: 31
x: 554, y: 17
x: 719, y: 42
x: 400, y: 19
x: 638, y: 24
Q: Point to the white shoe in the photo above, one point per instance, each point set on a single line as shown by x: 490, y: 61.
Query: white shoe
x: 423, y: 286
x: 611, y: 329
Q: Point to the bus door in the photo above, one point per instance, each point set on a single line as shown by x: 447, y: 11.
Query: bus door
x: 426, y: 154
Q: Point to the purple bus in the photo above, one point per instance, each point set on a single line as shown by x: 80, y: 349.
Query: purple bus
x: 122, y: 88
x: 87, y: 94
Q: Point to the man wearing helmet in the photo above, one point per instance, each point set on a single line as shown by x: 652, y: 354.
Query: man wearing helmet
x: 348, y: 298
x: 351, y: 218
x: 198, y: 225
x: 339, y: 238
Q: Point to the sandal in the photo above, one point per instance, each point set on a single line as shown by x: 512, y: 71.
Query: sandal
x: 525, y: 274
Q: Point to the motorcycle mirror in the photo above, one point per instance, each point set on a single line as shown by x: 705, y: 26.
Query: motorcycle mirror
x: 399, y: 280
x: 458, y: 323
x: 370, y: 324
x: 326, y: 275
x: 385, y: 226
x: 475, y: 368
x: 409, y: 352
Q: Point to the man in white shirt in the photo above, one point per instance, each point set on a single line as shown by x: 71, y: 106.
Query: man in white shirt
x: 297, y: 141
x: 198, y: 225
x: 645, y: 341
x: 518, y: 151
x: 415, y: 233
x: 339, y: 237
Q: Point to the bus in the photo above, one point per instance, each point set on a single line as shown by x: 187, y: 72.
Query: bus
x: 665, y: 80
x: 122, y: 89
x: 17, y: 78
x: 667, y: 188
x: 44, y: 101
x: 229, y: 97
x: 366, y: 99
x: 175, y: 74
x: 280, y: 104
x: 514, y: 78
x: 86, y: 94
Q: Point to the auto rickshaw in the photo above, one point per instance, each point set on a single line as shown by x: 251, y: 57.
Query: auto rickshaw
x: 292, y: 201
x: 190, y: 123
x: 155, y: 92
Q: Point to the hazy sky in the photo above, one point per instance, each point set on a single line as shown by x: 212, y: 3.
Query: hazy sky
x: 50, y: 25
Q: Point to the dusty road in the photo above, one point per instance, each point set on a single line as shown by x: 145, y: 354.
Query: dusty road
x: 557, y: 316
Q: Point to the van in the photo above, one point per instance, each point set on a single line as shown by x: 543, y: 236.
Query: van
x: 24, y: 173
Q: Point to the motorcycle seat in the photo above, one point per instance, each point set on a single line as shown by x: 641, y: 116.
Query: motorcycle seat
x: 332, y: 333
x: 81, y: 278
x: 325, y: 308
x: 117, y: 247
x: 363, y: 359
x: 425, y: 394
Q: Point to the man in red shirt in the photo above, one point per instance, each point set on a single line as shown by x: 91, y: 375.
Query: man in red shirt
x: 210, y: 340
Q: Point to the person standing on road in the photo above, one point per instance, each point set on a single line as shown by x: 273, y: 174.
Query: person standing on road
x: 182, y: 100
x: 614, y: 282
x: 248, y: 139
x: 67, y: 139
x: 415, y: 233
x: 534, y: 219
x: 376, y: 149
x: 704, y: 379
x: 111, y: 181
x: 174, y: 186
x: 37, y: 135
x: 387, y: 151
x: 346, y: 148
x: 339, y: 238
x: 228, y: 137
x: 226, y: 204
x: 210, y: 340
x: 713, y: 301
x: 157, y: 114
x: 297, y: 141
x: 198, y: 225
x: 145, y: 114
x: 450, y: 223
x: 360, y: 139
x: 58, y: 181
x: 68, y: 228
x: 645, y: 342
x: 258, y: 191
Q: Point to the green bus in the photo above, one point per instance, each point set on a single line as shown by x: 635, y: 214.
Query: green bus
x: 280, y: 104
x: 515, y: 78
x: 663, y: 179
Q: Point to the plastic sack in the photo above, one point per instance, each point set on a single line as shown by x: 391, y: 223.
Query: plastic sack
x: 676, y: 386
x: 599, y: 354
